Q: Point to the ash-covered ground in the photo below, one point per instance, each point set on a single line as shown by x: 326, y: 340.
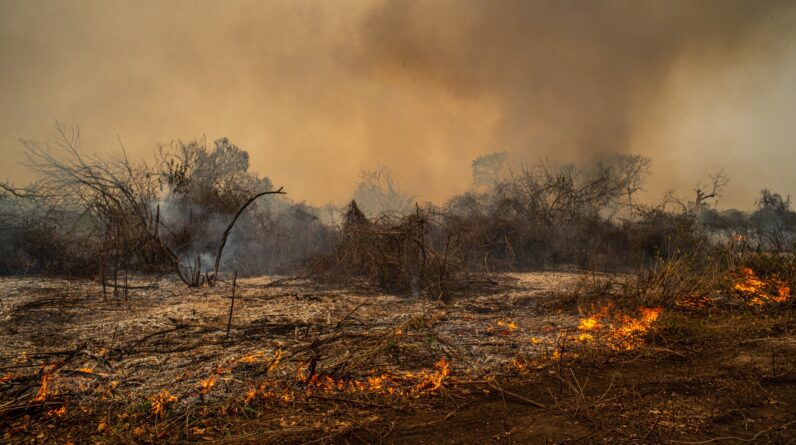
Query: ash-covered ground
x: 305, y: 362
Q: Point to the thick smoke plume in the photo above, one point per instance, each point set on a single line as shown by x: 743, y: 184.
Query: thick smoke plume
x: 317, y: 91
x: 571, y: 76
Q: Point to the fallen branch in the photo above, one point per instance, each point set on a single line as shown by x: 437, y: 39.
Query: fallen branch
x: 517, y: 396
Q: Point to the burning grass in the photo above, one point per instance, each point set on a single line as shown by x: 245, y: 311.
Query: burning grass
x: 759, y: 292
x: 616, y: 330
x: 606, y: 328
x: 304, y: 364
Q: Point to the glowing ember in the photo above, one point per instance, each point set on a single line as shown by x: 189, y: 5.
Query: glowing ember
x: 58, y: 412
x: 757, y: 291
x: 695, y: 301
x: 385, y: 384
x: 508, y: 327
x: 208, y: 384
x: 253, y: 358
x: 44, y: 389
x: 160, y: 402
x: 275, y: 361
x: 250, y: 395
x: 616, y: 330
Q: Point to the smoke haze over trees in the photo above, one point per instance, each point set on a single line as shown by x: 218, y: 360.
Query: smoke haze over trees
x: 316, y: 92
x: 97, y: 216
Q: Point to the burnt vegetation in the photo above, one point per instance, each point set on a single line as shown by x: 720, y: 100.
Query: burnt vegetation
x: 99, y: 217
x: 548, y: 287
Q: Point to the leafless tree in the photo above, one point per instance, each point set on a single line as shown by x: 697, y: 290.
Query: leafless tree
x: 378, y: 192
x: 714, y: 189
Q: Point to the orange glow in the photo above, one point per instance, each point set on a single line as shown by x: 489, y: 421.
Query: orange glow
x: 58, y: 412
x: 616, y: 330
x: 250, y: 395
x: 385, y: 384
x: 208, y: 384
x: 44, y: 389
x: 253, y: 358
x: 508, y: 327
x: 275, y: 361
x: 758, y: 292
x: 160, y: 402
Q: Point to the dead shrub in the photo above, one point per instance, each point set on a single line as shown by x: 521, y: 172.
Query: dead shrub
x: 413, y: 253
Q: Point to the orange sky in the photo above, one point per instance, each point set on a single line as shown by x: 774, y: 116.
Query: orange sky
x: 317, y: 90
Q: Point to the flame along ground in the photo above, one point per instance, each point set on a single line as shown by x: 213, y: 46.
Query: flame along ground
x: 386, y: 384
x: 606, y: 327
x: 758, y: 292
x: 616, y: 330
x: 748, y: 287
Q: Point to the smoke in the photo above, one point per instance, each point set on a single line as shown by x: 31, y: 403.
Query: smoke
x: 273, y: 235
x: 568, y: 77
x: 315, y: 91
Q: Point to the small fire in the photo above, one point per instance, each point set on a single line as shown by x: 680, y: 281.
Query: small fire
x: 86, y: 370
x: 160, y: 402
x: 434, y: 381
x: 758, y: 292
x: 385, y: 384
x: 257, y: 357
x: 606, y: 327
x: 251, y: 394
x: 44, y: 389
x: 58, y: 412
x: 275, y: 361
x: 695, y: 301
x: 508, y: 327
x: 208, y: 384
x: 618, y: 331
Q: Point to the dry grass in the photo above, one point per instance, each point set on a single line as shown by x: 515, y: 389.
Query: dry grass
x: 309, y: 363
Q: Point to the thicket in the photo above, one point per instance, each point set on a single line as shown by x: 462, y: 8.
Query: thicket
x: 107, y: 217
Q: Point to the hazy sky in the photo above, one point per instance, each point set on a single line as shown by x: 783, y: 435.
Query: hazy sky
x: 317, y: 90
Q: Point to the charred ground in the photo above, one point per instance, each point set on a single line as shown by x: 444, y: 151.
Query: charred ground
x: 305, y: 362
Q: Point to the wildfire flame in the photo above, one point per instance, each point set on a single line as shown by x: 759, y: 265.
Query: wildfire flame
x: 251, y: 394
x: 257, y: 357
x: 606, y: 327
x: 57, y: 412
x: 386, y: 384
x: 208, y: 384
x: 618, y: 331
x: 508, y: 327
x: 160, y: 402
x: 44, y: 389
x: 434, y: 381
x: 275, y: 361
x: 757, y: 291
